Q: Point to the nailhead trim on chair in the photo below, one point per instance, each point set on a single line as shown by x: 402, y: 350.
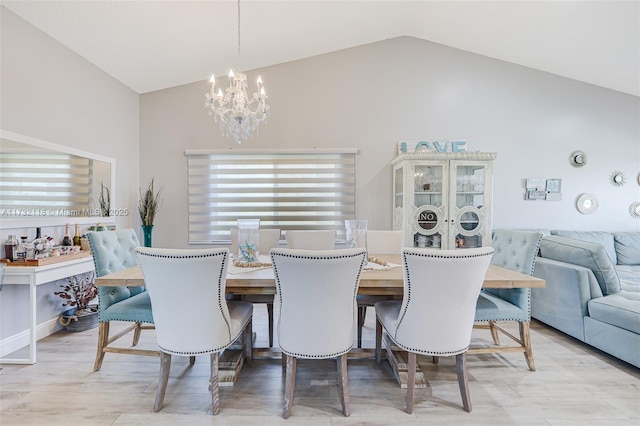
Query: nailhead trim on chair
x: 420, y: 351
x: 275, y: 269
x: 324, y: 257
x: 406, y: 267
x: 197, y: 256
x: 533, y: 265
x: 208, y: 351
x: 332, y: 355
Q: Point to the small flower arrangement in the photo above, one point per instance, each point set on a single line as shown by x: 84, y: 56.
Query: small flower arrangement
x: 149, y: 204
x: 77, y: 292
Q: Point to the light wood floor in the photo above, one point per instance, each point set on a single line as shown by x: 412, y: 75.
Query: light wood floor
x: 574, y: 385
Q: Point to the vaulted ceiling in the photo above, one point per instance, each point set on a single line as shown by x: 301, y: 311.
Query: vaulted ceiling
x: 152, y: 45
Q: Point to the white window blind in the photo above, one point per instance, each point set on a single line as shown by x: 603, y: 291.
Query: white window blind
x: 285, y: 190
x: 35, y: 184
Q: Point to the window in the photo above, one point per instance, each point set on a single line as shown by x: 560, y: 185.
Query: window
x: 285, y: 190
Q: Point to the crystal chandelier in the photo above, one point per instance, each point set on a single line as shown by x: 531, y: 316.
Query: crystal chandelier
x: 237, y: 113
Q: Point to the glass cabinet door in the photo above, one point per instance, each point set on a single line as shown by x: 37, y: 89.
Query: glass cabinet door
x: 430, y: 214
x: 443, y: 199
x: 398, y: 198
x: 468, y: 214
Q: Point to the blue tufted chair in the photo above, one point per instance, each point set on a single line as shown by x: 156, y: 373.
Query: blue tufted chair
x: 113, y: 251
x: 515, y: 250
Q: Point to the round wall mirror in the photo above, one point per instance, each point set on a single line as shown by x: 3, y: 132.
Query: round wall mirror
x: 587, y: 203
x: 634, y: 210
x: 578, y: 159
x: 617, y: 178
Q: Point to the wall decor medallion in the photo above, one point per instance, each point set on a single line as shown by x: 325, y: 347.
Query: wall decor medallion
x: 634, y: 210
x: 617, y: 178
x: 578, y: 159
x: 587, y: 203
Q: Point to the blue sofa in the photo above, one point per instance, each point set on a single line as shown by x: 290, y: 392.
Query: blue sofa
x: 593, y: 289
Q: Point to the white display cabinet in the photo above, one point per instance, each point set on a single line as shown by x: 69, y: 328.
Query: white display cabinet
x: 443, y: 200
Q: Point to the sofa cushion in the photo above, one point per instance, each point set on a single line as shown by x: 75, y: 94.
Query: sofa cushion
x: 600, y: 237
x: 627, y: 245
x: 629, y: 276
x: 621, y: 310
x: 583, y: 253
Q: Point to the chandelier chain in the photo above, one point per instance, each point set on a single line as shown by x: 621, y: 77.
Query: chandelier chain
x: 237, y: 113
x: 238, y: 59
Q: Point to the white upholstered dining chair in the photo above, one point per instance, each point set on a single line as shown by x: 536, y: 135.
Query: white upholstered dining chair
x: 317, y: 294
x: 436, y: 314
x: 378, y: 242
x: 384, y: 242
x: 311, y: 239
x: 267, y: 239
x: 192, y: 316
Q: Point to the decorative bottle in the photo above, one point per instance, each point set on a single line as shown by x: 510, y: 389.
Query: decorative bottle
x: 76, y: 237
x: 67, y: 241
x: 10, y: 247
x: 20, y: 252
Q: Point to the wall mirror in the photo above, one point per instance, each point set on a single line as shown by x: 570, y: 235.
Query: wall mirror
x: 47, y: 184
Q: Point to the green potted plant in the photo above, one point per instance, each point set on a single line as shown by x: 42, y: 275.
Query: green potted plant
x: 148, y: 205
x: 78, y: 291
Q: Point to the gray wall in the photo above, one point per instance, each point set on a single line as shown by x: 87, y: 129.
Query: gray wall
x: 371, y: 96
x: 50, y: 93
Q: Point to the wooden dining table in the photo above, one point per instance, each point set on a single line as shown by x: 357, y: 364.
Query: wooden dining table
x: 379, y: 281
x: 375, y: 282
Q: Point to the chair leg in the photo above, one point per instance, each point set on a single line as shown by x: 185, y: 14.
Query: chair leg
x: 289, y: 385
x: 136, y: 333
x: 461, y: 369
x: 362, y: 313
x: 525, y: 338
x: 103, y: 338
x: 494, y: 332
x: 378, y: 341
x: 343, y: 385
x: 411, y: 380
x: 165, y: 366
x: 248, y: 342
x: 270, y: 318
x: 213, y: 384
x: 192, y: 359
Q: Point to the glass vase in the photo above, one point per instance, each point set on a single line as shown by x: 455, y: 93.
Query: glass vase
x: 356, y: 233
x: 146, y: 235
x: 248, y: 240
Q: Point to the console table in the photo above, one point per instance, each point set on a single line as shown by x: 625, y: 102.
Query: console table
x: 34, y: 276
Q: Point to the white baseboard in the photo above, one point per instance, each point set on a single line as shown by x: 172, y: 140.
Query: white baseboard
x: 20, y: 340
